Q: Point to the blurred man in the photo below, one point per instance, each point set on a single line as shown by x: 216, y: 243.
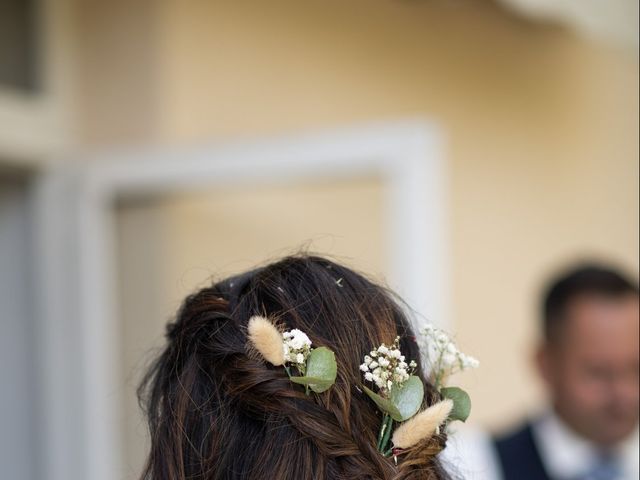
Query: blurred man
x: 589, y: 360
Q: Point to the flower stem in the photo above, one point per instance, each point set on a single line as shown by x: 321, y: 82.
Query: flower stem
x: 383, y: 428
x: 387, y: 434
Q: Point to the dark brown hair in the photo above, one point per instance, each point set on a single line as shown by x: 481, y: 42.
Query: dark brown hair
x: 217, y: 412
x: 586, y: 280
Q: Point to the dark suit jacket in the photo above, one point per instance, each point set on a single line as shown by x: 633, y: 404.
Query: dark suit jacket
x: 519, y: 456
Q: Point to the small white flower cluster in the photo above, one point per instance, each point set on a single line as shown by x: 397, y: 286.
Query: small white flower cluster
x: 442, y: 355
x: 296, y: 346
x: 386, y: 367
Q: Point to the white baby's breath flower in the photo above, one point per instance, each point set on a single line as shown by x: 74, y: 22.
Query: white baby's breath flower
x: 441, y: 355
x: 468, y: 361
x: 299, y: 339
x: 296, y: 348
x: 386, y: 367
x: 449, y: 360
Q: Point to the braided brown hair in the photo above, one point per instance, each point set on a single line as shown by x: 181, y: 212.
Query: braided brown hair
x: 216, y: 412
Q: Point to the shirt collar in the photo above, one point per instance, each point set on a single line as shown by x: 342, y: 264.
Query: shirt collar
x: 567, y: 455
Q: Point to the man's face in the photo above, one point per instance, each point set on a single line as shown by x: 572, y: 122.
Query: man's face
x: 592, y: 368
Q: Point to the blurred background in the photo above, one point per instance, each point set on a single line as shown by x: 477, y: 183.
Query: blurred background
x: 534, y: 104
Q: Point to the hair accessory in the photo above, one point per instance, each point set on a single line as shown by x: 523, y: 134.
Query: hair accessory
x: 400, y: 394
x: 441, y: 355
x: 292, y: 349
x: 267, y: 339
x: 422, y: 425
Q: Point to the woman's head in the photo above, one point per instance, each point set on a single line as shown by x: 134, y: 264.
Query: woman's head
x: 217, y: 412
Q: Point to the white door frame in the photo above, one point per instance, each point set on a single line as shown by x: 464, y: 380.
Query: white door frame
x: 77, y: 258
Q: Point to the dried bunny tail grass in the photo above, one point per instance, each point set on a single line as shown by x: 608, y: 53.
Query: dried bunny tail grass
x: 422, y: 426
x: 267, y: 339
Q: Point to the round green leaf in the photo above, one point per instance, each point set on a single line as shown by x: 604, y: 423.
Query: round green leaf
x: 461, y: 403
x: 321, y: 370
x: 383, y: 404
x: 403, y: 402
x: 316, y: 384
x: 408, y: 398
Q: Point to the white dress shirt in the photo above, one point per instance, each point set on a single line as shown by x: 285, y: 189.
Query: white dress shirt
x: 470, y: 454
x: 566, y: 455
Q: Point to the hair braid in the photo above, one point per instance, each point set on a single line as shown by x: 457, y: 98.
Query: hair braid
x: 217, y: 413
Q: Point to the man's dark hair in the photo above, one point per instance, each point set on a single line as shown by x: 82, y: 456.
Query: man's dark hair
x: 584, y: 280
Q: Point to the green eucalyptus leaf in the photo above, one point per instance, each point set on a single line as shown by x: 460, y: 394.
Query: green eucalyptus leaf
x: 403, y: 402
x: 461, y: 403
x: 408, y: 398
x: 383, y: 404
x: 321, y: 370
x: 316, y: 384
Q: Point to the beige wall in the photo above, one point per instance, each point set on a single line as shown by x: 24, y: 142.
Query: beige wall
x: 542, y: 130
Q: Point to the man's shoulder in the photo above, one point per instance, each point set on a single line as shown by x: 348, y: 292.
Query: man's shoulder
x: 521, y: 435
x: 518, y: 454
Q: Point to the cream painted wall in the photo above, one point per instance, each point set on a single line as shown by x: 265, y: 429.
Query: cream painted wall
x: 542, y: 134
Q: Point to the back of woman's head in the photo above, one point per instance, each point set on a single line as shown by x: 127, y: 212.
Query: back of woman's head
x: 216, y: 411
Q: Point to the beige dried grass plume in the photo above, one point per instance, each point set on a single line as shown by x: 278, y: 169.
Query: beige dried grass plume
x: 267, y: 339
x: 422, y: 426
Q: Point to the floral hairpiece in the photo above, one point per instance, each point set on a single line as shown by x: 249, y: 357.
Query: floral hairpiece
x: 441, y: 354
x: 400, y: 393
x: 292, y: 349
